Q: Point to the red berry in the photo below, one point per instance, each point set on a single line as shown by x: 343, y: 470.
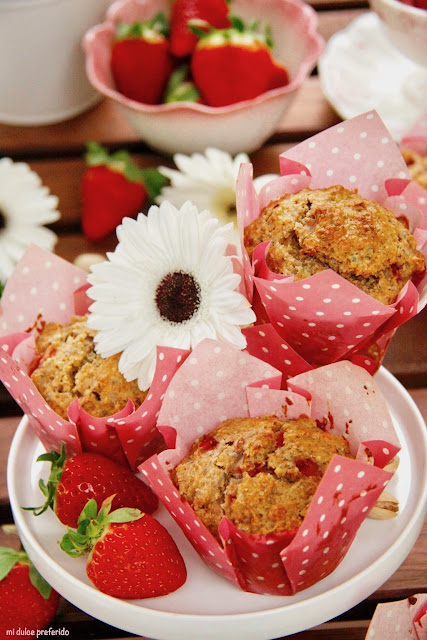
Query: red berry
x: 131, y: 555
x: 142, y: 552
x: 26, y: 604
x: 112, y: 188
x: 235, y: 64
x: 140, y: 60
x: 213, y: 12
x: 75, y: 481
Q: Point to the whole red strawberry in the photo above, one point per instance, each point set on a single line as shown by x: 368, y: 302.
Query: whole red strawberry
x: 140, y: 59
x: 235, y: 64
x: 28, y: 603
x: 112, y: 188
x: 75, y: 481
x: 213, y: 13
x: 131, y: 555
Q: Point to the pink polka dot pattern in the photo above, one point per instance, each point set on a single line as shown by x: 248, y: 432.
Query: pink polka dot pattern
x: 208, y: 388
x: 403, y: 619
x: 321, y: 317
x: 324, y: 318
x: 218, y: 382
x: 265, y: 343
x: 47, y: 425
x: 137, y: 431
x: 347, y: 400
x: 199, y: 536
x: 344, y: 497
x: 257, y: 559
x: 352, y: 149
x: 98, y: 435
x: 41, y: 283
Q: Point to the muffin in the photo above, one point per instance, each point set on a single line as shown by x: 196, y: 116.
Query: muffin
x: 417, y: 166
x: 260, y: 473
x: 335, y: 228
x: 67, y: 367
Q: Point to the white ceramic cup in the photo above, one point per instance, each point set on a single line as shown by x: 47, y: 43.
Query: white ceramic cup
x: 42, y: 67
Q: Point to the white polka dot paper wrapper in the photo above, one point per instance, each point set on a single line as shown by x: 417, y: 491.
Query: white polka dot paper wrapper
x: 45, y: 288
x: 402, y: 619
x: 218, y: 382
x: 325, y: 318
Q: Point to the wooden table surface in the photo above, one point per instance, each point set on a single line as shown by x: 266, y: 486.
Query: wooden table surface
x: 55, y: 152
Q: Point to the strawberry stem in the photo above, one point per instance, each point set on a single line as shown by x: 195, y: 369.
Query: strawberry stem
x: 10, y: 557
x: 57, y: 461
x: 91, y: 525
x: 159, y: 24
x: 119, y: 161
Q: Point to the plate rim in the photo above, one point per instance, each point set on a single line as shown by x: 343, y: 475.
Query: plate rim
x: 191, y: 623
x: 346, y: 111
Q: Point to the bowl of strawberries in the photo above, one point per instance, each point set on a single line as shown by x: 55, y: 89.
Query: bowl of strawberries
x: 200, y: 73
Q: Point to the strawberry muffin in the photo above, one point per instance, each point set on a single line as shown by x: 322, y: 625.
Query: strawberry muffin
x: 260, y: 473
x: 335, y: 228
x: 67, y: 367
x: 417, y: 165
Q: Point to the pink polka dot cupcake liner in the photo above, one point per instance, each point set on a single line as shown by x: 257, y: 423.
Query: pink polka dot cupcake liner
x: 324, y: 318
x: 416, y: 138
x: 403, y: 619
x: 218, y: 382
x: 44, y: 288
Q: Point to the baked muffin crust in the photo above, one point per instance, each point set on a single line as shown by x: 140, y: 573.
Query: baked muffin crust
x: 417, y: 166
x: 260, y: 473
x: 317, y: 229
x: 68, y: 367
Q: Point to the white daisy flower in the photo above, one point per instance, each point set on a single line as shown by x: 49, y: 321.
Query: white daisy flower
x: 168, y: 283
x: 25, y: 206
x: 209, y: 181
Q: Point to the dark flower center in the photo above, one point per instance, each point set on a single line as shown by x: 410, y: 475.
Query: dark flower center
x: 178, y: 297
x: 231, y: 210
x: 2, y: 220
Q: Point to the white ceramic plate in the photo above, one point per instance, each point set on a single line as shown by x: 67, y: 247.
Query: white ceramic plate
x: 207, y: 606
x: 361, y: 70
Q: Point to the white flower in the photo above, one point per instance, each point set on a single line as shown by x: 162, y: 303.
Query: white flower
x: 168, y: 283
x: 25, y: 205
x: 208, y: 181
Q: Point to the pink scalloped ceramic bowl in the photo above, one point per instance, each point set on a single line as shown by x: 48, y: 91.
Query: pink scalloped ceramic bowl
x: 406, y: 25
x: 190, y: 127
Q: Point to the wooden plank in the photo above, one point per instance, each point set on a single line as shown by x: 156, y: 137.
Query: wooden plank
x: 308, y: 113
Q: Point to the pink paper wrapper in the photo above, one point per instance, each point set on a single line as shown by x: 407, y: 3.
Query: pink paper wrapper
x: 45, y: 288
x: 218, y: 382
x: 416, y: 137
x: 403, y: 619
x: 324, y: 318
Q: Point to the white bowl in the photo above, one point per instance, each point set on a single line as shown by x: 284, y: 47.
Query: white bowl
x: 406, y: 26
x: 188, y: 127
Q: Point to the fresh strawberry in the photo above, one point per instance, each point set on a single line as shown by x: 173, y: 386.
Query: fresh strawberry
x: 235, y: 64
x: 212, y: 13
x: 140, y: 59
x: 131, y: 555
x: 112, y: 188
x: 75, y: 481
x: 28, y: 603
